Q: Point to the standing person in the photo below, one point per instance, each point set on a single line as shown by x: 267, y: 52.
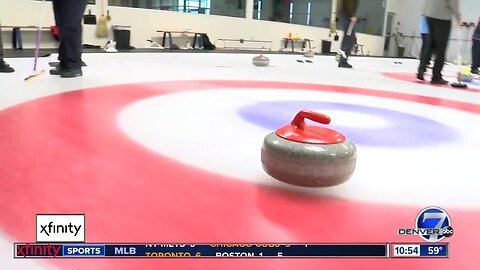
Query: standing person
x: 476, y: 50
x: 4, y: 67
x: 439, y: 14
x: 426, y: 52
x: 346, y: 10
x: 68, y: 17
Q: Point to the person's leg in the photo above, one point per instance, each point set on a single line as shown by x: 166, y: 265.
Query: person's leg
x: 441, y: 33
x: 352, y: 41
x: 428, y: 51
x: 56, y: 11
x: 475, y: 56
x: 425, y: 55
x: 348, y: 41
x: 1, y: 45
x: 4, y: 67
x: 71, y: 15
x: 432, y: 48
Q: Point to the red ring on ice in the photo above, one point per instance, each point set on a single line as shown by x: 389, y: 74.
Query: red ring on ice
x: 66, y: 154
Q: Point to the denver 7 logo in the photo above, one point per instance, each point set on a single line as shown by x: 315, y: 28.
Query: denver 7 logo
x: 434, y: 218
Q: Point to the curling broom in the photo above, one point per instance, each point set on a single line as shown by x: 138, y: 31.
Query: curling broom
x: 350, y: 28
x: 37, y: 47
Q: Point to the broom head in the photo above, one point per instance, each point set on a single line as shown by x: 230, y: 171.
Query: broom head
x: 33, y: 76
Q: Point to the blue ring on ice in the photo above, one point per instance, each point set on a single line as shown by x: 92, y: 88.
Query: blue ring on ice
x: 404, y: 129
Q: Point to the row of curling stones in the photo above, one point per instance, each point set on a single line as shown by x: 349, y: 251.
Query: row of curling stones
x: 465, y: 75
x: 263, y: 61
x: 307, y: 155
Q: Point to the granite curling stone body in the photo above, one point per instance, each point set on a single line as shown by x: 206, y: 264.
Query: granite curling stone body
x: 261, y: 61
x: 309, y: 54
x: 309, y: 156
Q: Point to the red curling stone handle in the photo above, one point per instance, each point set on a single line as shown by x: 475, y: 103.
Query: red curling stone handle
x: 299, y: 120
x: 299, y: 131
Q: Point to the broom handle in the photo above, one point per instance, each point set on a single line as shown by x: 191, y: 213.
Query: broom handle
x: 459, y: 56
x: 39, y: 36
x: 350, y: 28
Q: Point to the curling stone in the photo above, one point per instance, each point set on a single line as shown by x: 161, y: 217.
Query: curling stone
x: 309, y: 54
x: 261, y: 61
x: 465, y: 76
x: 308, y: 156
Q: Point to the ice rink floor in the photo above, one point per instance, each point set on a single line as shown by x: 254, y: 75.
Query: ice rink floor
x: 166, y: 148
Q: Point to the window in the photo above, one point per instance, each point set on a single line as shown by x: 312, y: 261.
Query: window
x: 89, y: 1
x: 195, y: 6
x: 371, y: 16
x: 233, y: 8
x: 305, y: 12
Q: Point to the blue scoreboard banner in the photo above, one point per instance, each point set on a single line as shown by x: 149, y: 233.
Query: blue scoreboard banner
x: 404, y: 250
x: 257, y: 250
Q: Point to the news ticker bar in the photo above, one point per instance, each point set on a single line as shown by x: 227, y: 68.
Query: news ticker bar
x: 268, y: 250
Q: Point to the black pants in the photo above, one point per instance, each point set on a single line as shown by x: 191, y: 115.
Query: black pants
x: 439, y: 35
x: 426, y: 52
x: 68, y: 17
x: 1, y: 46
x: 348, y: 41
x: 475, y: 54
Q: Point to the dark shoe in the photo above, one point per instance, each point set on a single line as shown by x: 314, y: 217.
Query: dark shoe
x: 71, y: 73
x: 5, y: 68
x: 344, y: 64
x: 56, y: 64
x: 475, y: 71
x: 56, y: 71
x: 439, y: 81
x: 420, y: 76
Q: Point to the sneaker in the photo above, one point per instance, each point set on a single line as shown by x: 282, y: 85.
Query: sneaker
x: 66, y: 73
x: 5, y: 68
x: 344, y: 64
x: 111, y: 47
x: 475, y: 71
x: 187, y: 46
x: 439, y: 81
x: 55, y: 71
x: 420, y: 76
x: 71, y: 73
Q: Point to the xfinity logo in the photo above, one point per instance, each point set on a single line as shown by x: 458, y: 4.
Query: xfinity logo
x: 62, y: 228
x: 51, y: 228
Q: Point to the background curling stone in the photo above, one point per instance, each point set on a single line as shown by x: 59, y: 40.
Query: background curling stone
x: 465, y: 76
x: 309, y: 156
x: 309, y: 54
x: 261, y: 61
